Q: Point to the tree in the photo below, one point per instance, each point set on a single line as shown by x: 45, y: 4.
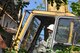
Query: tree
x: 76, y: 8
x: 58, y: 2
x: 12, y: 7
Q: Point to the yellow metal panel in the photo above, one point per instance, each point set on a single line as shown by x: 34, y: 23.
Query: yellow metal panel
x: 51, y: 8
x: 71, y: 32
x: 20, y: 26
x: 63, y: 7
x: 23, y: 31
x: 54, y: 13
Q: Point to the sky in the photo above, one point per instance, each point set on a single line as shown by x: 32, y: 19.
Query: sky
x: 34, y: 3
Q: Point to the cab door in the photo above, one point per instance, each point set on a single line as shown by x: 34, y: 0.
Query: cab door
x: 38, y: 24
x: 30, y: 35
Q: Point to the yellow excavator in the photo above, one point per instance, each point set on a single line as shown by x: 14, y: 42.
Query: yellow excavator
x: 66, y: 29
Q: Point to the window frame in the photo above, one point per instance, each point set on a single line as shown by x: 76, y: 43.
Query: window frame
x: 56, y: 26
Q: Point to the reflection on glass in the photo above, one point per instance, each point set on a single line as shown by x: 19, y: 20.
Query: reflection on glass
x: 76, y: 31
x: 30, y: 33
x: 63, y: 31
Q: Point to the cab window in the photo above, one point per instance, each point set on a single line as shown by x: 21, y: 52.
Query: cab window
x: 68, y: 31
x: 30, y: 33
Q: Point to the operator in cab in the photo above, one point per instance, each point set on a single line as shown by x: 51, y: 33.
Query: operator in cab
x: 46, y: 44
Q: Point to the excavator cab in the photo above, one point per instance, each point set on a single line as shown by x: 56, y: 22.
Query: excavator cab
x: 37, y: 24
x: 66, y: 30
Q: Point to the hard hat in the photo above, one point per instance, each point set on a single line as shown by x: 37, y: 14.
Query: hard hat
x: 51, y: 26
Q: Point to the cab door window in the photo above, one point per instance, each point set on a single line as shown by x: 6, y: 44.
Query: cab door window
x: 30, y: 33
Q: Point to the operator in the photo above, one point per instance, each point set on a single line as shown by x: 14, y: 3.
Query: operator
x: 50, y: 32
x: 46, y: 44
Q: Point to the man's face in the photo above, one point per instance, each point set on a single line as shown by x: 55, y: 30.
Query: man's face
x: 50, y: 31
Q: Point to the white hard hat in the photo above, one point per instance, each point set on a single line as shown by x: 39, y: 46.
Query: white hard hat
x: 51, y: 26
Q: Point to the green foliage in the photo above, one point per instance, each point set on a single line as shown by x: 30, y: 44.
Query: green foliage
x: 65, y: 1
x: 22, y: 50
x: 40, y: 7
x: 49, y: 50
x: 21, y: 4
x: 76, y: 8
x: 69, y: 49
x: 58, y: 2
x: 76, y: 48
x: 59, y: 51
x: 9, y: 50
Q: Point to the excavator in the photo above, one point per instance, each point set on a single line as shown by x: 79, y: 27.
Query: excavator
x: 66, y: 29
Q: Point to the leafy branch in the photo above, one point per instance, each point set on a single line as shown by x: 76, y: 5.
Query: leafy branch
x: 58, y: 3
x: 76, y: 8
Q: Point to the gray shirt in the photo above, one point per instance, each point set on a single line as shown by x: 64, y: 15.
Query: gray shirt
x: 50, y: 40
